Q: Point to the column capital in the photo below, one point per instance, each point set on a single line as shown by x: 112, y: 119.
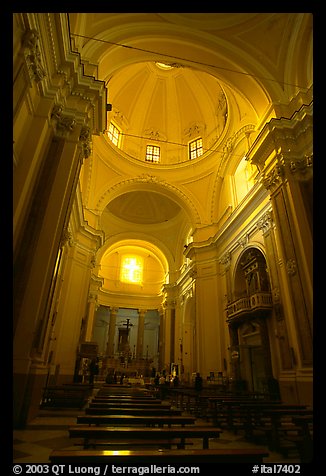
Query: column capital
x: 63, y: 123
x: 113, y: 310
x: 226, y: 259
x: 265, y: 222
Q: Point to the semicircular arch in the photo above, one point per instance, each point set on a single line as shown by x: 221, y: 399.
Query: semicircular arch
x: 144, y: 241
x: 152, y: 184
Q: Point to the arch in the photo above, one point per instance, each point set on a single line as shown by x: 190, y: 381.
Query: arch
x: 133, y: 239
x: 150, y: 183
x: 241, y: 286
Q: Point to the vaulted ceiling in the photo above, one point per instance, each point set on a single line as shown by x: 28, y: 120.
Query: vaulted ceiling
x: 172, y: 77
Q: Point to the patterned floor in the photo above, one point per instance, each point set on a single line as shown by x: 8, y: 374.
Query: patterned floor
x: 49, y: 431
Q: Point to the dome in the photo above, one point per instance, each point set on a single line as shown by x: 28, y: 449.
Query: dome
x: 167, y: 105
x: 143, y: 207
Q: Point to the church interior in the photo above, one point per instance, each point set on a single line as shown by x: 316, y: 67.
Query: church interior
x: 162, y: 203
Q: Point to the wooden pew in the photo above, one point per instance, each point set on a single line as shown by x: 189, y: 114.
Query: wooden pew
x: 236, y: 415
x: 282, y: 423
x: 135, y: 420
x: 92, y: 434
x: 148, y: 401
x: 96, y: 404
x: 303, y: 441
x: 159, y: 457
x: 132, y: 411
x: 66, y: 396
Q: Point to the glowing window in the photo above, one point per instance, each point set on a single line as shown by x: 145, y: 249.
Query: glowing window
x: 152, y: 153
x: 164, y: 66
x: 114, y: 134
x: 131, y: 269
x: 195, y: 148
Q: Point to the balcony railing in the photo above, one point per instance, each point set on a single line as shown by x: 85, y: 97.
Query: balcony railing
x: 248, y: 304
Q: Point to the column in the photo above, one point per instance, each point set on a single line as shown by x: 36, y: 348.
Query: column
x: 111, y: 334
x: 161, y: 346
x: 91, y: 309
x: 140, y: 335
x: 168, y: 325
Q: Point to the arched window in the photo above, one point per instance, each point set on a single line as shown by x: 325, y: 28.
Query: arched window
x: 131, y: 269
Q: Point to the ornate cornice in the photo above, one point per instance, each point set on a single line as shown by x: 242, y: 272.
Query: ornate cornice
x: 290, y: 137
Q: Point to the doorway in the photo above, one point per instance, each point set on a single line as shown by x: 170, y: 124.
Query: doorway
x: 253, y: 367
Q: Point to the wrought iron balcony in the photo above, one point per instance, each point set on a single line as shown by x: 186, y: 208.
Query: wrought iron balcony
x: 260, y: 301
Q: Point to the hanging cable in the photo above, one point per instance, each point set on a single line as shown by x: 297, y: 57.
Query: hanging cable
x: 187, y: 60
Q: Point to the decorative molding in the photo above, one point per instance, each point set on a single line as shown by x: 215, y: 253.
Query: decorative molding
x: 276, y: 294
x: 291, y: 267
x: 244, y: 240
x: 92, y: 298
x: 154, y: 134
x: 265, y: 222
x: 32, y: 55
x: 194, y: 130
x: 302, y: 168
x: 274, y: 178
x: 66, y: 237
x: 63, y: 124
x: 85, y: 141
x: 226, y: 260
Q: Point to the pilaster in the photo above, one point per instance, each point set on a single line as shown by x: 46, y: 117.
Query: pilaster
x: 209, y: 341
x: 279, y: 330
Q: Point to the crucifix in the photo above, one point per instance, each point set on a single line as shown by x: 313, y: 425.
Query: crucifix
x: 124, y: 340
x: 127, y: 324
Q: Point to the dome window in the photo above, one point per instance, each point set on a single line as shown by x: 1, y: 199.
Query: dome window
x: 153, y: 153
x: 114, y: 134
x: 195, y: 148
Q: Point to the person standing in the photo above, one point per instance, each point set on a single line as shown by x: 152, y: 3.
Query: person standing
x: 93, y: 370
x: 198, y: 382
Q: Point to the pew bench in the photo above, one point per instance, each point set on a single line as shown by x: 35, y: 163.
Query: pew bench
x: 65, y: 396
x: 91, y: 434
x: 104, y: 404
x: 113, y: 399
x: 132, y: 411
x: 136, y: 420
x: 159, y: 457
